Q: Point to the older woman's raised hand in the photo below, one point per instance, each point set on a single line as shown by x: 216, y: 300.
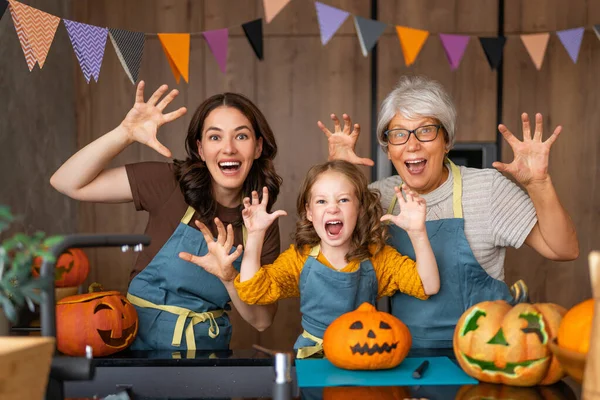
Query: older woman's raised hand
x: 413, y: 211
x: 530, y: 164
x: 255, y: 214
x: 343, y: 141
x: 219, y: 259
x: 144, y: 119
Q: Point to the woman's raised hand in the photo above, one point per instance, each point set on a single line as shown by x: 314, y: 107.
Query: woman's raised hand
x: 256, y: 217
x: 530, y: 164
x: 144, y: 119
x: 219, y: 259
x: 343, y: 141
x: 413, y: 211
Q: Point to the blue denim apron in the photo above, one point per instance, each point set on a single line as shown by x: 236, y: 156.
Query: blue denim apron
x: 325, y: 294
x: 463, y: 282
x: 175, y: 298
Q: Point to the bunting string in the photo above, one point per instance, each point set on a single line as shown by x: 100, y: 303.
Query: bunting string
x: 36, y: 30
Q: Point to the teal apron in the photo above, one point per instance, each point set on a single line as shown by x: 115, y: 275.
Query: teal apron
x: 325, y: 294
x: 463, y: 282
x: 175, y: 298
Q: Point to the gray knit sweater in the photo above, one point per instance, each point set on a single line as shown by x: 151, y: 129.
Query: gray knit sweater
x: 497, y: 212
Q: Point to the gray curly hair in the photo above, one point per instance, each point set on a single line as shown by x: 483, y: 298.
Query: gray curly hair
x: 417, y: 97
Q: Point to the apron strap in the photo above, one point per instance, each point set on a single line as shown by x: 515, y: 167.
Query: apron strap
x: 189, y: 213
x: 305, y: 352
x: 456, y: 192
x: 184, y: 314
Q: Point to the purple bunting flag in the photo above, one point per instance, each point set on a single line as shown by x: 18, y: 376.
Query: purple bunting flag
x: 217, y: 42
x: 571, y: 39
x: 88, y: 43
x: 454, y: 46
x: 330, y: 20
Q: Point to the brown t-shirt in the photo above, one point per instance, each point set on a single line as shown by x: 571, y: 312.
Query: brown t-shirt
x: 156, y: 190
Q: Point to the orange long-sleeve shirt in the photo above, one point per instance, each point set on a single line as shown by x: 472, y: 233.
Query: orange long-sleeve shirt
x: 280, y: 280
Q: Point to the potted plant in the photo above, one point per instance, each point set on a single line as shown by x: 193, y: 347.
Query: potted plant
x: 18, y: 287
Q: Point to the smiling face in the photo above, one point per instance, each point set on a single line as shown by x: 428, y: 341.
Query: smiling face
x: 420, y: 164
x: 333, y: 210
x: 228, y: 147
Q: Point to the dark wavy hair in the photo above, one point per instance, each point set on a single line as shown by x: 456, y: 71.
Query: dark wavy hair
x: 193, y: 175
x: 369, y: 229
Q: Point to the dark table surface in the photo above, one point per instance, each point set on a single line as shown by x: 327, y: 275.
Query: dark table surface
x: 248, y: 374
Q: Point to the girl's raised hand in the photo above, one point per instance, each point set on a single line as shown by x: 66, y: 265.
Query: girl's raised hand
x: 144, y: 119
x: 342, y: 141
x: 219, y: 259
x: 255, y: 215
x: 413, y: 211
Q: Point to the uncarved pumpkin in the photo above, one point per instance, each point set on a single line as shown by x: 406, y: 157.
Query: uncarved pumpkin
x: 497, y: 343
x: 575, y: 329
x: 104, y: 320
x: 74, y: 265
x: 366, y: 339
x: 366, y: 393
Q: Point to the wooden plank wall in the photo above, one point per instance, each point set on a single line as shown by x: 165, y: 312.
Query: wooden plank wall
x: 300, y: 82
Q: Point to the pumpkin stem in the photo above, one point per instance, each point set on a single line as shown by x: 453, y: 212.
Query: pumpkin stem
x: 95, y: 287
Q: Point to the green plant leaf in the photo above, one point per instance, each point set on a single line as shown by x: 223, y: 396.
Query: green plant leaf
x: 9, y: 310
x: 52, y: 241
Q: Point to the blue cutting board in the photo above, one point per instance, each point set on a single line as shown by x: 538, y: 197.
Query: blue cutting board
x: 322, y: 373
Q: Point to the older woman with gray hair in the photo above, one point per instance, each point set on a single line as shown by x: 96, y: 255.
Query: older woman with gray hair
x: 472, y: 214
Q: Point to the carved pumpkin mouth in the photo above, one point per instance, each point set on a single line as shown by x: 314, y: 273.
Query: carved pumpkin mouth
x: 375, y: 349
x: 509, y: 370
x: 127, y: 333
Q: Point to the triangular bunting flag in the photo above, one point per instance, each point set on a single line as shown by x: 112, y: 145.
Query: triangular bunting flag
x: 129, y: 47
x: 35, y: 30
x: 3, y: 4
x: 536, y: 45
x: 412, y: 41
x: 368, y: 31
x: 597, y: 31
x: 253, y: 32
x: 88, y: 43
x: 571, y: 39
x: 454, y: 46
x: 273, y: 7
x: 330, y: 20
x: 493, y: 47
x: 217, y: 42
x: 177, y: 49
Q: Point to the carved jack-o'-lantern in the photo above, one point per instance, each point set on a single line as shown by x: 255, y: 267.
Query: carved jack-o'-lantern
x: 104, y: 320
x: 366, y: 339
x: 366, y: 393
x: 497, y: 343
x: 72, y: 268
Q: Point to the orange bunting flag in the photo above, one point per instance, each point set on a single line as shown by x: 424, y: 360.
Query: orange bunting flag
x: 536, y: 45
x: 35, y: 30
x: 177, y: 49
x: 273, y: 7
x: 411, y: 40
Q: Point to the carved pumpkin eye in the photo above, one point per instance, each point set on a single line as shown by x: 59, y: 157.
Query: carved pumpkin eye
x: 356, y: 325
x: 535, y: 324
x: 123, y: 302
x: 383, y: 325
x: 101, y: 306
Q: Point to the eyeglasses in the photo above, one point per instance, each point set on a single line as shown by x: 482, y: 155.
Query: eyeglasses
x: 425, y: 133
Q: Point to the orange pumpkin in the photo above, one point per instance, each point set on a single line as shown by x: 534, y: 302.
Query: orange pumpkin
x: 575, y: 329
x: 73, y: 267
x: 497, y: 343
x: 366, y: 339
x: 366, y: 393
x: 490, y: 391
x: 104, y: 320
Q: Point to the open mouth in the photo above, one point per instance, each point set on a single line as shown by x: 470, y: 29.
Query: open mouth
x: 230, y: 167
x: 416, y: 166
x: 508, y: 370
x: 333, y: 228
x: 375, y: 349
x: 126, y: 334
